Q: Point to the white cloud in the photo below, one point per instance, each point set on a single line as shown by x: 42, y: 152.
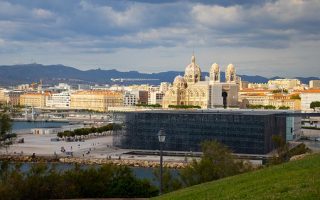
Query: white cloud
x: 217, y: 16
x: 270, y: 15
x: 42, y: 13
x: 77, y: 33
x: 130, y: 16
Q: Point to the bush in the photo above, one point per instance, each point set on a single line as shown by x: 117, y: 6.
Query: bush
x: 216, y: 162
x: 315, y: 104
x: 255, y: 106
x: 261, y: 107
x: 280, y: 91
x: 183, y: 106
x: 41, y: 182
x: 269, y: 107
x: 284, y: 108
x: 169, y: 182
x: 149, y: 105
x: 295, y: 96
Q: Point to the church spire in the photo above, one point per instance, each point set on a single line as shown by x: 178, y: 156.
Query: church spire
x: 193, y: 59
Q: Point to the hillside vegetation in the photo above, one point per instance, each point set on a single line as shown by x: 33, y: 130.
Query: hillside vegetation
x: 294, y: 180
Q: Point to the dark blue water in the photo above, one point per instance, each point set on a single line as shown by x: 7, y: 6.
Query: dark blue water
x: 17, y: 125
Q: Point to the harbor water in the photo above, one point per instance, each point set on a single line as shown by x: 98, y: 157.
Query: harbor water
x: 24, y: 126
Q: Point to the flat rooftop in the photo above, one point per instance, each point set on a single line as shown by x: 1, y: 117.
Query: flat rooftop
x: 217, y: 111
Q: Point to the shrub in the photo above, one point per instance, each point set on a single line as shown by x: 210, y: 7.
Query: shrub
x: 41, y: 182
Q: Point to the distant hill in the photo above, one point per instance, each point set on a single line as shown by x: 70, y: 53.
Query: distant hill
x: 294, y: 180
x: 50, y: 74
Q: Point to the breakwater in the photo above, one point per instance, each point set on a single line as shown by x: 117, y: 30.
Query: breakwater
x: 92, y: 161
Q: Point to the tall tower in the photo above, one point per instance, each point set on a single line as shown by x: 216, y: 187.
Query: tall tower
x: 215, y: 73
x: 230, y: 74
x: 193, y: 72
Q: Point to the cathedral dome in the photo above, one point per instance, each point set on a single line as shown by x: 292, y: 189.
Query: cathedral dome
x: 230, y: 73
x: 230, y: 68
x: 193, y: 71
x: 215, y: 68
x: 179, y: 82
x: 215, y: 73
x: 179, y: 79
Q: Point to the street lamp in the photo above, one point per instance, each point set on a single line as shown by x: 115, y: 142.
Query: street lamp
x: 162, y: 138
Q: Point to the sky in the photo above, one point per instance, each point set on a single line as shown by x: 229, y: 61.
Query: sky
x: 260, y: 37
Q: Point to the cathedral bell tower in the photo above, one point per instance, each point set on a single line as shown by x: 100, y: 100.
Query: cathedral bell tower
x: 215, y: 73
x: 230, y: 74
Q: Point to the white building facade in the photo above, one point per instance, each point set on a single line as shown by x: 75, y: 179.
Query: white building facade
x: 307, y: 97
x: 58, y: 100
x: 130, y: 99
x: 155, y: 97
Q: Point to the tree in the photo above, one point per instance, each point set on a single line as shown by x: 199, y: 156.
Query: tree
x: 5, y: 124
x: 315, y: 104
x: 280, y: 91
x: 255, y: 106
x: 282, y: 150
x: 284, y: 108
x: 5, y: 127
x: 44, y: 182
x: 269, y: 107
x: 216, y: 162
x: 169, y: 181
x: 295, y: 96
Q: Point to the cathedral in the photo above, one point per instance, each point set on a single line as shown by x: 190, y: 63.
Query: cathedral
x: 192, y: 90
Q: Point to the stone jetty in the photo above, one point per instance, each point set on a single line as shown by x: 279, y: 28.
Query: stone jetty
x: 93, y: 161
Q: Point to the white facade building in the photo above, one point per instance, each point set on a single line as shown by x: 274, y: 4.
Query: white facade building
x: 58, y: 100
x: 152, y: 89
x: 63, y: 86
x: 314, y: 84
x: 284, y: 83
x: 155, y: 97
x: 130, y: 99
x: 216, y: 98
x: 307, y: 97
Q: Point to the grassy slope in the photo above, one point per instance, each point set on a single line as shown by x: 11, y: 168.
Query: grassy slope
x: 294, y: 180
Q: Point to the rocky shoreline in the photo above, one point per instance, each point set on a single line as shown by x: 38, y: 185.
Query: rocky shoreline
x: 92, y: 161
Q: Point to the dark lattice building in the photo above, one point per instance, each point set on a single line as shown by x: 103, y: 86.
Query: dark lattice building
x: 247, y: 132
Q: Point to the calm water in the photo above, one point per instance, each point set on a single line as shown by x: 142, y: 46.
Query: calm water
x: 17, y: 125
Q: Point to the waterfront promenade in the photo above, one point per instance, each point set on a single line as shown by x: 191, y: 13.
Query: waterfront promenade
x: 97, y: 150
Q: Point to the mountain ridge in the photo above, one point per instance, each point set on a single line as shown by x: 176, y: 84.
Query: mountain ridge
x: 51, y: 74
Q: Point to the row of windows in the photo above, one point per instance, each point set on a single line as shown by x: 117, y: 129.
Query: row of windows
x: 242, y: 133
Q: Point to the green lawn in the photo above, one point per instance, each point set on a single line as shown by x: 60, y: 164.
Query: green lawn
x: 294, y: 180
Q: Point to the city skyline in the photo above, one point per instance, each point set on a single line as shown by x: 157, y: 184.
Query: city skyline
x: 267, y: 38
